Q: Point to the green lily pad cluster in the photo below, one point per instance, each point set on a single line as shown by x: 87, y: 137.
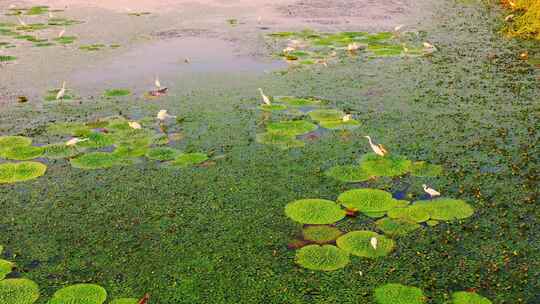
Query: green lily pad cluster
x: 396, y: 217
x: 310, y: 47
x: 394, y: 293
x: 20, y: 148
x: 284, y: 134
x: 372, y: 165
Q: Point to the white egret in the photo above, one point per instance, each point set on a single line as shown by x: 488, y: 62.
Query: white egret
x: 378, y: 149
x: 373, y: 241
x: 61, y: 92
x: 162, y: 115
x: 74, y: 141
x: 134, y: 125
x: 432, y: 192
x: 265, y: 98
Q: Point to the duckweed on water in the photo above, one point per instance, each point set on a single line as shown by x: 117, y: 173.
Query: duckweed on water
x: 80, y: 293
x: 18, y: 291
x: 463, y: 297
x: 324, y: 258
x: 20, y: 172
x: 314, y: 211
x: 321, y: 234
x: 359, y: 243
x: 399, y: 294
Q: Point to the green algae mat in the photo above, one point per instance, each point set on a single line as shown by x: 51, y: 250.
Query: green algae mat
x: 236, y: 201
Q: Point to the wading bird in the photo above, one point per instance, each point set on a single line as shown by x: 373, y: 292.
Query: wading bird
x: 162, y: 115
x: 74, y: 141
x: 378, y: 149
x: 62, y: 91
x: 157, y: 83
x: 432, y: 192
x: 429, y: 48
x: 346, y: 117
x: 373, y: 241
x: 21, y: 22
x: 353, y: 47
x: 134, y: 125
x: 265, y: 98
x: 62, y: 32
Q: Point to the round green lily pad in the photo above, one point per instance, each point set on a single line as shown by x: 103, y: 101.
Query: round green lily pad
x: 314, y: 211
x: 321, y: 234
x: 296, y: 101
x: 125, y: 301
x: 464, y: 297
x: 413, y: 213
x: 59, y: 151
x: 95, y: 160
x: 396, y: 226
x: 163, y: 153
x: 20, y: 172
x: 446, y: 209
x: 68, y: 128
x: 324, y: 258
x: 340, y: 124
x: 326, y: 114
x: 399, y: 294
x: 368, y: 200
x: 7, y: 142
x: 80, y: 294
x: 425, y: 169
x: 22, y: 152
x: 18, y: 291
x: 5, y: 268
x: 374, y: 214
x: 117, y: 92
x: 389, y: 165
x: 433, y: 223
x: 293, y: 127
x: 130, y: 150
x: 348, y: 174
x: 282, y: 141
x: 97, y: 140
x: 273, y: 107
x: 189, y: 159
x: 359, y: 243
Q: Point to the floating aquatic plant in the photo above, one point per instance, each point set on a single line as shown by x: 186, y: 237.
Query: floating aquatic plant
x: 446, y: 209
x: 18, y: 291
x: 117, y: 92
x: 95, y: 160
x: 7, y: 142
x: 283, y: 141
x: 395, y: 227
x: 80, y: 293
x: 273, y: 107
x: 325, y: 257
x: 65, y: 39
x: 326, y: 114
x: 422, y: 168
x: 389, y: 165
x: 59, y: 151
x: 125, y: 301
x: 163, y: 153
x: 20, y: 172
x: 92, y: 47
x: 32, y: 27
x: 22, y: 152
x: 297, y: 101
x: 321, y: 234
x: 6, y: 58
x: 359, y: 243
x: 314, y: 211
x: 97, y: 140
x: 293, y: 127
x: 399, y: 294
x: 368, y: 200
x: 412, y: 213
x: 63, y: 21
x: 5, y: 268
x: 464, y: 297
x: 340, y: 124
x: 37, y: 10
x: 348, y: 174
x: 69, y: 128
x: 189, y: 159
x: 130, y: 150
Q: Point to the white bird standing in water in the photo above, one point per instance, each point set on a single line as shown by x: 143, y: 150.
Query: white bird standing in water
x: 353, y: 47
x: 62, y: 32
x: 399, y: 27
x: 429, y: 48
x: 157, y: 83
x: 378, y: 149
x: 162, y: 115
x: 373, y: 241
x: 134, y: 125
x: 62, y: 92
x: 346, y: 117
x: 432, y: 192
x: 265, y: 98
x: 74, y: 141
x: 21, y: 22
